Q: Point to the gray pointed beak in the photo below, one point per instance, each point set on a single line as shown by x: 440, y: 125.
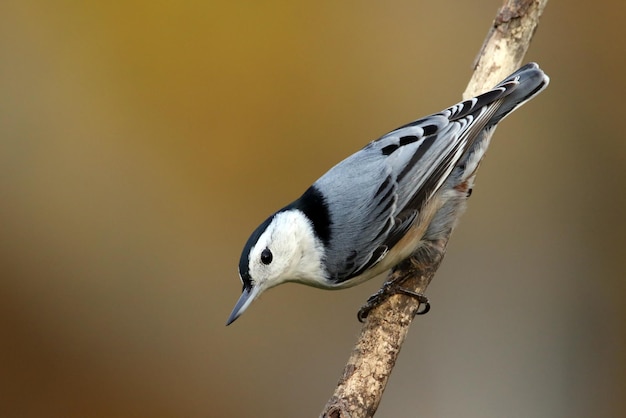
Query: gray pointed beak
x: 246, y: 298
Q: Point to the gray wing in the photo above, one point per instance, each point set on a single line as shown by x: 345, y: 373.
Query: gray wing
x: 375, y: 195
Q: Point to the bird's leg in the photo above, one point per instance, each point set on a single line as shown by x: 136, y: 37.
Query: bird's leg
x: 389, y: 288
x: 414, y: 272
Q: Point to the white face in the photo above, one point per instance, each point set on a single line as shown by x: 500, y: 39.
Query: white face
x: 286, y: 251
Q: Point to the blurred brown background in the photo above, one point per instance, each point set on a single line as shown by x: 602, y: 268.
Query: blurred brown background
x: 141, y: 142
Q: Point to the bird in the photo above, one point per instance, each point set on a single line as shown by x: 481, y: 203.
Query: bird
x: 378, y: 206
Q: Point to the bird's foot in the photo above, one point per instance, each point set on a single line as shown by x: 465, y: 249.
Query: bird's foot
x: 391, y: 288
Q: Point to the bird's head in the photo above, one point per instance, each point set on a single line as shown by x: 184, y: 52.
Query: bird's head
x: 282, y: 249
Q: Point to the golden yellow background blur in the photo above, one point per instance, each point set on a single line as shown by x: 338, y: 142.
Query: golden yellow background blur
x: 141, y: 143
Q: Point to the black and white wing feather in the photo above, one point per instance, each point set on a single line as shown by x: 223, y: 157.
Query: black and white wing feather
x: 373, y: 197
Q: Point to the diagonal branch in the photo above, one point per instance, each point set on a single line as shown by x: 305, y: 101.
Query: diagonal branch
x: 365, y: 376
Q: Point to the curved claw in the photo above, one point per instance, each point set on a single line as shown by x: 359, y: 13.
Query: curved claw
x: 362, y: 314
x: 421, y: 298
x: 372, y: 302
x: 378, y: 298
x: 426, y: 309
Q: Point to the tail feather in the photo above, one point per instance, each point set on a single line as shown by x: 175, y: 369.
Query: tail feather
x: 525, y: 83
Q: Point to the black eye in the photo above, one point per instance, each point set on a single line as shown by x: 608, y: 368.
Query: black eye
x: 266, y: 256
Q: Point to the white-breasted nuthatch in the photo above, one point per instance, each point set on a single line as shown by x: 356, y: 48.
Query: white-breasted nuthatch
x: 375, y: 208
